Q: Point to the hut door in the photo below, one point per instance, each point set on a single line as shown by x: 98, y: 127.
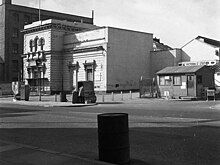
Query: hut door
x: 190, y: 85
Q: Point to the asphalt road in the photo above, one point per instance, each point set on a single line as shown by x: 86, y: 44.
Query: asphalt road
x: 162, y: 132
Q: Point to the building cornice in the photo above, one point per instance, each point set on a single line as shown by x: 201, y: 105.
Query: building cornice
x: 52, y: 26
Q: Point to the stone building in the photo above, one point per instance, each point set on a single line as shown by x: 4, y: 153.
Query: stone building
x: 44, y: 56
x: 57, y: 54
x: 13, y: 19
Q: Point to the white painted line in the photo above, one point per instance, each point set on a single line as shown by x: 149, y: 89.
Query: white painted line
x: 85, y: 113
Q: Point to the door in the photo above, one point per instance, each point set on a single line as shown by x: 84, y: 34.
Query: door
x: 190, y: 85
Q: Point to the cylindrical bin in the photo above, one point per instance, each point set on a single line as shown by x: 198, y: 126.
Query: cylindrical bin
x: 24, y: 90
x: 113, y: 138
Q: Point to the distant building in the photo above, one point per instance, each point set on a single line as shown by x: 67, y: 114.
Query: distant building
x: 185, y: 81
x: 164, y: 55
x: 13, y: 19
x: 57, y: 56
x: 158, y: 46
x: 203, y: 51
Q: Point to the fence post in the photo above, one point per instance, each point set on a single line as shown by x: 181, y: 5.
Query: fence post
x: 112, y: 96
x: 103, y: 98
x: 0, y: 91
x: 55, y: 97
x: 121, y: 95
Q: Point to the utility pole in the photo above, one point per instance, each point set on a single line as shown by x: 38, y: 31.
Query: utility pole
x: 219, y: 57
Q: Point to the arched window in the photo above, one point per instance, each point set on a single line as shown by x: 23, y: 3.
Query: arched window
x: 35, y: 43
x: 41, y: 43
x: 31, y: 45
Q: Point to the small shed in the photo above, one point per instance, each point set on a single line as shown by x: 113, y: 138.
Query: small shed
x: 185, y: 81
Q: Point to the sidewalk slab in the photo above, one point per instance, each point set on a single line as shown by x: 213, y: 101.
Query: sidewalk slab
x: 28, y: 155
x: 44, y: 103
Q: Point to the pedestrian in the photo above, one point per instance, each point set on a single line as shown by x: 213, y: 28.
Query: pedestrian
x: 81, y: 94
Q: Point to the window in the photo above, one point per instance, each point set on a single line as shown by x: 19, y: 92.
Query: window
x: 16, y: 17
x: 35, y: 43
x: 31, y: 45
x: 165, y: 80
x: 27, y: 19
x: 89, y: 75
x: 15, y: 66
x: 41, y: 43
x: 199, y: 79
x: 15, y: 48
x: 15, y: 33
x: 177, y: 80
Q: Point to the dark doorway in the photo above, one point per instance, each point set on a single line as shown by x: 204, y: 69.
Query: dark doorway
x: 190, y: 85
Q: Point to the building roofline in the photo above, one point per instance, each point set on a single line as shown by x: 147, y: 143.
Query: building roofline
x: 180, y: 69
x: 208, y: 41
x: 129, y: 30
x: 43, y: 11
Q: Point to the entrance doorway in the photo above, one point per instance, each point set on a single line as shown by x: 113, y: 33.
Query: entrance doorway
x: 190, y: 85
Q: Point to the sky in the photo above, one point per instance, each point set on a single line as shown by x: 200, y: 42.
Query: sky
x: 175, y: 22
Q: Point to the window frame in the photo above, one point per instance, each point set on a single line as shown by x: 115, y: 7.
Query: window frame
x: 15, y: 66
x: 15, y: 48
x: 180, y: 80
x: 166, y: 82
x: 36, y: 43
x: 15, y: 33
x: 16, y: 17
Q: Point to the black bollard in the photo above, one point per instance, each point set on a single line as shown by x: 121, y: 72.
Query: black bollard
x: 113, y: 138
x: 63, y: 96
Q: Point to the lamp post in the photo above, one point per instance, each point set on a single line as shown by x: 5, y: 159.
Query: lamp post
x: 219, y: 57
x: 39, y: 84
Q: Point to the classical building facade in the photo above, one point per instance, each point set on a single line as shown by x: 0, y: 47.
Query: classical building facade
x: 13, y: 19
x: 58, y: 54
x: 44, y: 58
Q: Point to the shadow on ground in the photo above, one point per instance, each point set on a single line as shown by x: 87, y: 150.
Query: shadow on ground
x: 148, y: 146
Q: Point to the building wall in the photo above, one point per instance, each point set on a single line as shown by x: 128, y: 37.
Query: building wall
x: 200, y: 51
x: 9, y: 24
x: 83, y: 40
x: 128, y: 58
x: 173, y: 91
x: 119, y: 65
x: 162, y: 59
x: 2, y: 42
x: 176, y: 91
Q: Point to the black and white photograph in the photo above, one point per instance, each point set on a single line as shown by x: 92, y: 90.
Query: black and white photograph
x: 104, y: 82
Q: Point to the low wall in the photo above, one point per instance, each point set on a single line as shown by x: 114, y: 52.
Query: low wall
x: 6, y: 89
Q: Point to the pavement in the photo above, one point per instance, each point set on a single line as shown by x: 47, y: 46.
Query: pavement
x: 19, y: 154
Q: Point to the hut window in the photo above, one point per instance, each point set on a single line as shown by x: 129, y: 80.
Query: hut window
x: 177, y: 80
x: 199, y: 79
x: 165, y: 80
